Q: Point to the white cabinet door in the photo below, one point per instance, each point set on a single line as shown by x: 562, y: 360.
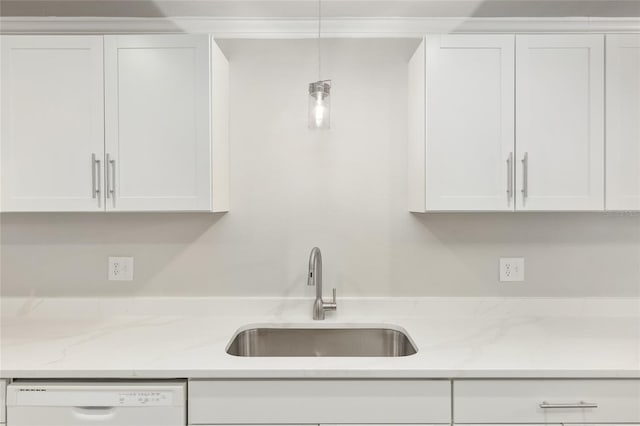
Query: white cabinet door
x: 469, y: 113
x: 623, y: 122
x: 52, y: 122
x: 157, y: 123
x: 560, y: 122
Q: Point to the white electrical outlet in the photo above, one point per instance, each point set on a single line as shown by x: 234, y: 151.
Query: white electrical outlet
x: 120, y: 268
x: 511, y: 269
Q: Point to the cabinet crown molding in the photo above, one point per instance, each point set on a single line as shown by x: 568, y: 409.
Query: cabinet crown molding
x: 307, y: 27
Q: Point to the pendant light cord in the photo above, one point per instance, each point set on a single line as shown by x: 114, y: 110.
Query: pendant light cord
x: 319, y: 42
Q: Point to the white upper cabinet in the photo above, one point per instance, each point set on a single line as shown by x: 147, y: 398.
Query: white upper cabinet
x: 461, y: 143
x: 560, y: 122
x: 623, y: 122
x: 158, y: 154
x: 152, y: 135
x: 475, y: 145
x: 52, y: 123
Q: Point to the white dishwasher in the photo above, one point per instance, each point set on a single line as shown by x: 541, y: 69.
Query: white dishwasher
x: 134, y: 403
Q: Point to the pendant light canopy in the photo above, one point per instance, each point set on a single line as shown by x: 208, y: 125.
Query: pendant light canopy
x: 319, y: 92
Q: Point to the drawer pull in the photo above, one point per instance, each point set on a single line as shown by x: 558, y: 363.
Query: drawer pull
x: 580, y: 404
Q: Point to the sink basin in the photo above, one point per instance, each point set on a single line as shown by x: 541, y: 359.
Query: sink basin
x: 269, y: 341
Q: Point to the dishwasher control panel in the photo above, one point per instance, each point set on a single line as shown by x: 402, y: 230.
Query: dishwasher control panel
x: 95, y: 395
x: 145, y: 398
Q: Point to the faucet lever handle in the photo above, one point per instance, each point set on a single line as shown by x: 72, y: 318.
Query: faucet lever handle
x: 330, y: 306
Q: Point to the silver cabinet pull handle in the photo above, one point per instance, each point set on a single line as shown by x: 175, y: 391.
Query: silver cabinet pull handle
x: 510, y: 176
x: 580, y: 404
x: 112, y: 163
x: 525, y: 176
x: 107, y: 177
x: 110, y: 170
x: 99, y: 178
x: 95, y: 178
x: 94, y: 190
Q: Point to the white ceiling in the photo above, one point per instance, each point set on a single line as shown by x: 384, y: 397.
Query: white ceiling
x: 330, y: 8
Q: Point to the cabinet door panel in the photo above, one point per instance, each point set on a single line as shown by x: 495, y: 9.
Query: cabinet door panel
x: 470, y: 119
x: 157, y: 122
x: 560, y: 122
x: 52, y: 122
x: 623, y: 122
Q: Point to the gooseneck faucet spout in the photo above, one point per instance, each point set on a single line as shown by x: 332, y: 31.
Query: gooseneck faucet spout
x: 315, y: 278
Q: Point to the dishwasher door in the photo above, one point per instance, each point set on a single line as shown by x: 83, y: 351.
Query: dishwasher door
x: 96, y: 403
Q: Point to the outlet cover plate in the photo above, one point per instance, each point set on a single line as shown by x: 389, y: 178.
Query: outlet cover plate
x: 120, y: 268
x: 511, y: 269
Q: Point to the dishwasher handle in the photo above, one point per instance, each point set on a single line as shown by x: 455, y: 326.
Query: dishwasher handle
x: 96, y: 414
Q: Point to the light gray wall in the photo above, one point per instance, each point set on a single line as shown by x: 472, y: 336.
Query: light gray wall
x: 344, y: 191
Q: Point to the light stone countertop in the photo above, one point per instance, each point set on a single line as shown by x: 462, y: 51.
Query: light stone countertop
x: 187, y: 337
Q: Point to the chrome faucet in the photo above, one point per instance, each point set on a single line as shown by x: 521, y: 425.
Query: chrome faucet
x: 315, y: 278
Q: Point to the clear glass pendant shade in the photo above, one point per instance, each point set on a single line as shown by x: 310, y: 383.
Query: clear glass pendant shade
x: 320, y: 105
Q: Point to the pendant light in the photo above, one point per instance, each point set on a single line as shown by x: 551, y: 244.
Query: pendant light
x: 319, y: 91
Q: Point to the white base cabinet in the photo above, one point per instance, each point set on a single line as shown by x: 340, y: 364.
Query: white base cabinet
x: 546, y: 401
x: 319, y: 401
x: 390, y: 402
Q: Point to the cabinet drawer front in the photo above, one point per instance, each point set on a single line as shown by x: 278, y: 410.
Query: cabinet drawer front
x: 319, y: 401
x: 547, y: 401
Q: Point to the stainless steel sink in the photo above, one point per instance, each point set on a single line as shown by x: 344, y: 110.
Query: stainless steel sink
x: 321, y: 342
